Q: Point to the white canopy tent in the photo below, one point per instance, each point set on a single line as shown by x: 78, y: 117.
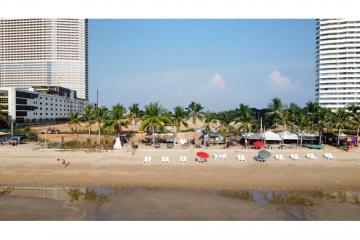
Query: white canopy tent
x: 255, y: 136
x: 286, y: 135
x: 271, y: 136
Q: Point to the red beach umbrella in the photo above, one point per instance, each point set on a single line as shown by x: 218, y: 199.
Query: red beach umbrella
x: 259, y: 144
x: 202, y: 154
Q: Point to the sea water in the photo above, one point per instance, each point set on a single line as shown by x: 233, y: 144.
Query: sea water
x: 127, y: 203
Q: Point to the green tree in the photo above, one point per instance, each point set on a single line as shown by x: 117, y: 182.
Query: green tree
x: 340, y: 118
x: 312, y: 110
x: 135, y: 113
x: 209, y: 119
x: 100, y: 115
x: 4, y: 116
x: 116, y: 119
x: 179, y: 118
x: 74, y: 121
x: 246, y: 119
x: 355, y: 120
x: 277, y: 113
x: 88, y: 116
x: 195, y: 111
x: 154, y: 117
x: 323, y: 120
x: 226, y: 119
x: 302, y: 124
x: 292, y: 113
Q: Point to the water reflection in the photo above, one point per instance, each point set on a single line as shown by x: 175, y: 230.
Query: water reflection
x: 306, y: 199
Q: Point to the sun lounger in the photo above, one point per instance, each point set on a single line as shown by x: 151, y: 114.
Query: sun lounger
x: 147, y: 160
x: 216, y: 157
x: 294, y: 156
x: 240, y: 157
x: 164, y: 159
x: 182, y: 159
x: 329, y: 156
x: 311, y: 156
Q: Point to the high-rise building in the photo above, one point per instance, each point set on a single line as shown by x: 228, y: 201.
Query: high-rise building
x: 44, y: 52
x: 337, y: 62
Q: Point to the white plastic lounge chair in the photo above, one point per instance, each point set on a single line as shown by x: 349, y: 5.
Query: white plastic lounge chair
x: 184, y: 159
x: 313, y: 156
x: 163, y: 160
x: 238, y: 157
x: 331, y: 157
x: 277, y: 157
x: 281, y: 157
x: 147, y: 160
x: 296, y: 156
x: 243, y: 157
x: 181, y: 159
x: 216, y: 156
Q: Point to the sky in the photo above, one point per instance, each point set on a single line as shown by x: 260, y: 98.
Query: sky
x: 218, y: 63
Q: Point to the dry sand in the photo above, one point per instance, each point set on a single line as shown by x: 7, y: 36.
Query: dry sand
x: 28, y: 164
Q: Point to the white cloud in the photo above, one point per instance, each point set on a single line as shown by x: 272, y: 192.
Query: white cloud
x: 280, y: 83
x: 217, y: 81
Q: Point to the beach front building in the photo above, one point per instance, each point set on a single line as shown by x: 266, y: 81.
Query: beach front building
x: 337, y: 62
x: 44, y: 52
x: 40, y: 103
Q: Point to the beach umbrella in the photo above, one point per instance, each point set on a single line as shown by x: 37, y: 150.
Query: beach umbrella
x: 263, y: 154
x: 202, y: 154
x: 259, y: 144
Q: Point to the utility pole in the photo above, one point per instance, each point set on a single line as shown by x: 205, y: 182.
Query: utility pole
x: 97, y: 98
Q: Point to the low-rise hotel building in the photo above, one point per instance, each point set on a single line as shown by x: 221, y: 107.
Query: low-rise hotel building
x: 40, y: 104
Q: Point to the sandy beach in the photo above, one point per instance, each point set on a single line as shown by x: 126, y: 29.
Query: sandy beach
x: 29, y: 164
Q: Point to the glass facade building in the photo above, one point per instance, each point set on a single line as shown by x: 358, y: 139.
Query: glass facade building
x: 44, y: 52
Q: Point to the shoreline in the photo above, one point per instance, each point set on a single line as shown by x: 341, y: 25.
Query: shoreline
x: 27, y: 166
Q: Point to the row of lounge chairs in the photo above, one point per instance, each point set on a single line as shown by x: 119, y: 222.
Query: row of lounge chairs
x: 220, y: 156
x: 241, y: 157
x: 164, y: 160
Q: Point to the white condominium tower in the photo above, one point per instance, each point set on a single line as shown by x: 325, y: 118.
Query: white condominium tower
x: 337, y: 62
x: 44, y: 52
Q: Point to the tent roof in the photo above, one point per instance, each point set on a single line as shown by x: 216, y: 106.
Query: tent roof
x: 286, y: 135
x: 271, y: 136
x: 255, y: 136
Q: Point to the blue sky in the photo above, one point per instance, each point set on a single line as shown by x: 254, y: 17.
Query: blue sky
x: 219, y: 63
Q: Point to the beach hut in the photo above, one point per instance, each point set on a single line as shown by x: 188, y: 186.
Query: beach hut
x: 271, y: 137
x: 289, y: 137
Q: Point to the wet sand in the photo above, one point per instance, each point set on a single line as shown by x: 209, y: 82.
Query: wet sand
x: 29, y: 165
x: 41, y: 203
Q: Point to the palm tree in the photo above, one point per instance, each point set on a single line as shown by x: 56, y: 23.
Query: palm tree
x: 208, y: 120
x: 277, y: 112
x: 74, y: 121
x: 302, y: 124
x: 179, y: 117
x: 88, y: 116
x: 245, y: 118
x: 134, y: 113
x: 117, y: 119
x: 340, y: 118
x: 356, y: 121
x: 312, y: 110
x: 225, y: 119
x: 154, y: 117
x: 293, y: 111
x: 4, y: 116
x: 194, y: 109
x: 100, y: 115
x: 323, y: 118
